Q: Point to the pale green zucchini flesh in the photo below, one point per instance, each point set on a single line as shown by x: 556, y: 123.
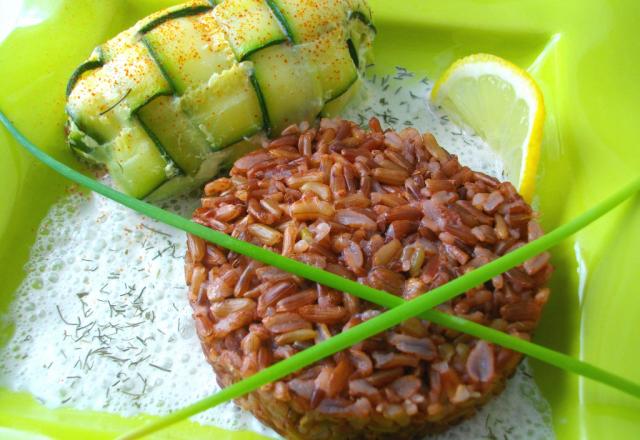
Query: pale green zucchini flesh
x: 134, y: 161
x: 249, y: 25
x: 225, y: 117
x: 336, y: 67
x: 307, y: 20
x: 189, y: 50
x: 289, y: 85
x: 164, y: 120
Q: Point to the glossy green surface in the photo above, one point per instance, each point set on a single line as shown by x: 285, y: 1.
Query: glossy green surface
x: 586, y: 56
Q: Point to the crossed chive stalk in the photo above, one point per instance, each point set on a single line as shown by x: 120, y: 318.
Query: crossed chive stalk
x: 399, y: 309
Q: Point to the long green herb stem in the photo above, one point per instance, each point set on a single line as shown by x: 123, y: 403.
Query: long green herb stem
x: 400, y: 309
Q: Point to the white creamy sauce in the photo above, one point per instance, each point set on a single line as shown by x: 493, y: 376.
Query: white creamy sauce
x: 102, y: 320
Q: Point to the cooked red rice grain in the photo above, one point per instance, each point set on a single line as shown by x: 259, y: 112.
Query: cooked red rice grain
x: 374, y: 125
x: 196, y: 247
x: 392, y: 210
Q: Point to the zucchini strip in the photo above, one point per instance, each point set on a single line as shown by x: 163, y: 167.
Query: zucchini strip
x: 95, y: 62
x: 185, y: 12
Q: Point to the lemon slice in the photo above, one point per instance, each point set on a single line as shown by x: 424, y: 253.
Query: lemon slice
x: 503, y: 105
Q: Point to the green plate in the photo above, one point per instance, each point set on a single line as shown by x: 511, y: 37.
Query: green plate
x: 584, y: 53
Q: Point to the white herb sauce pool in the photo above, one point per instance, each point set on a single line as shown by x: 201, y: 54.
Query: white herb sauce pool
x: 102, y: 320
